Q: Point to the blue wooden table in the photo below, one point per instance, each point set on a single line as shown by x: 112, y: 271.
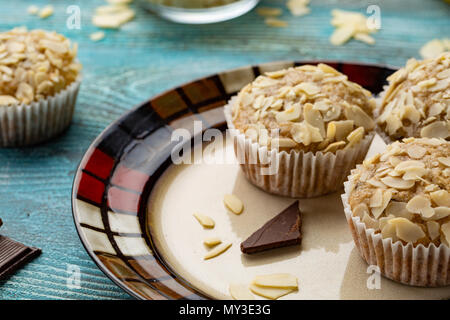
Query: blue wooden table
x: 143, y: 58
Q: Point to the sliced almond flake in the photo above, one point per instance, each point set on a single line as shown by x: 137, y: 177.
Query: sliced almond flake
x: 441, y: 198
x: 445, y: 229
x: 205, y: 221
x: 416, y: 152
x: 389, y: 231
x: 360, y: 210
x: 445, y: 161
x: 339, y: 129
x: 269, y: 11
x: 270, y: 293
x: 433, y: 229
x: 8, y: 100
x: 435, y: 109
x: 327, y: 69
x: 333, y: 147
x: 432, y: 49
x: 421, y: 205
x: 276, y: 74
x: 332, y: 113
x: 355, y: 137
x: 288, y: 115
x: 342, y: 34
x: 376, y: 200
x: 233, y: 203
x: 364, y: 37
x: 314, y: 118
x: 440, y: 213
x: 414, y: 173
x: 406, y: 230
x: 276, y: 280
x: 405, y: 165
x: 97, y: 36
x: 443, y: 74
x: 378, y: 211
x: 398, y: 183
x: 218, y: 250
x: 276, y: 23
x: 33, y: 9
x: 240, y: 292
x: 370, y: 222
x: 398, y: 209
x: 438, y: 129
x: 307, y: 87
x: 46, y: 12
x: 298, y: 7
x: 376, y: 183
x: 211, y: 242
x: 359, y: 117
x: 113, y: 20
x: 305, y: 133
x: 283, y: 143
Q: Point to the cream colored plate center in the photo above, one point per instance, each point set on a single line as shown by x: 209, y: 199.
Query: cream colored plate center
x: 327, y: 264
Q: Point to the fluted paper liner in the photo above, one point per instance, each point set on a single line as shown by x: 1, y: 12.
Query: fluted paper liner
x: 24, y: 125
x: 416, y: 266
x: 300, y: 174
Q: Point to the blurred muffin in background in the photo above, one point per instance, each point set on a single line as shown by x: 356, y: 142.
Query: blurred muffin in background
x: 39, y: 82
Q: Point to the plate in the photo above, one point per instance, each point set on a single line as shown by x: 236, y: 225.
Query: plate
x: 133, y: 208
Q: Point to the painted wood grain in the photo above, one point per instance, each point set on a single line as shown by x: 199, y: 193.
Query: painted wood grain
x: 145, y: 57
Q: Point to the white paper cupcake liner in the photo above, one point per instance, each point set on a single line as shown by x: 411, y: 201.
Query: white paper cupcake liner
x: 25, y: 125
x: 299, y: 174
x: 416, y: 266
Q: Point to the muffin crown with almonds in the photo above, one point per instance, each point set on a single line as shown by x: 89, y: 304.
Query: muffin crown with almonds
x: 404, y: 193
x: 312, y: 108
x: 417, y: 100
x: 35, y: 65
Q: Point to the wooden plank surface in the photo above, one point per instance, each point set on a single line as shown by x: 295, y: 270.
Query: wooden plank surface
x: 145, y: 57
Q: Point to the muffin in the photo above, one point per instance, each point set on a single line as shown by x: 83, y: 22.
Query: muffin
x: 416, y: 102
x: 309, y: 125
x: 39, y: 82
x: 397, y: 205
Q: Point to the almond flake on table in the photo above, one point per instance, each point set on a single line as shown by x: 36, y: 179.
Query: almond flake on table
x: 33, y: 9
x: 350, y: 25
x: 434, y: 47
x: 298, y: 7
x: 113, y: 16
x: 97, y: 36
x: 269, y: 11
x: 46, y: 12
x: 277, y: 23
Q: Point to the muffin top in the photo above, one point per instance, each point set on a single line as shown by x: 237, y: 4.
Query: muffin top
x: 417, y: 100
x: 34, y: 65
x: 310, y: 108
x: 404, y: 193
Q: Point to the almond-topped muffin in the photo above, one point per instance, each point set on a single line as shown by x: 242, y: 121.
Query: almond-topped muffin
x: 417, y: 101
x: 405, y: 193
x: 311, y: 121
x: 401, y: 199
x: 39, y: 81
x: 314, y: 108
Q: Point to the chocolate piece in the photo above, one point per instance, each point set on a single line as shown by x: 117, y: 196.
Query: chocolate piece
x: 281, y: 231
x: 13, y: 255
x: 1, y: 222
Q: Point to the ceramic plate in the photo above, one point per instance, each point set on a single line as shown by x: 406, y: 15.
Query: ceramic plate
x: 133, y: 207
